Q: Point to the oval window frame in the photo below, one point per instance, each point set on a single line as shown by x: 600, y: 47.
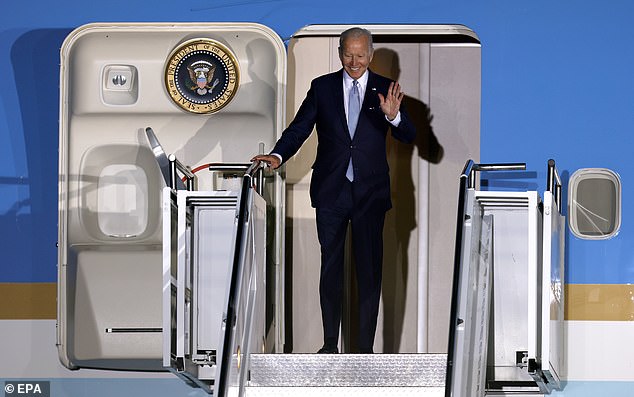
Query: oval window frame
x: 583, y: 175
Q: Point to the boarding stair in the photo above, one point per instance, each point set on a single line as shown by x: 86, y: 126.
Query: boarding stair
x: 220, y: 348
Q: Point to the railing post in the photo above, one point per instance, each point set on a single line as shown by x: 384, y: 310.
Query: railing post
x: 554, y: 182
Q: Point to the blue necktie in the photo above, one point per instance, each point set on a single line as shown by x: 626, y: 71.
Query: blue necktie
x: 354, y: 105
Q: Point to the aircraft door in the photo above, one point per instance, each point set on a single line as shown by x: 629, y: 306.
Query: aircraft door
x: 213, y: 93
x: 438, y: 67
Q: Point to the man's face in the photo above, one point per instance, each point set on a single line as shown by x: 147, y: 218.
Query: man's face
x: 355, y: 56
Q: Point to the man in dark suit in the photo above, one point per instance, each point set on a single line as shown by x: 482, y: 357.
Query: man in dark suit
x: 352, y: 110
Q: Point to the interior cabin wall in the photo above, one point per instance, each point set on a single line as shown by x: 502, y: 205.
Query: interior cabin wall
x: 455, y: 90
x: 442, y: 87
x: 306, y: 59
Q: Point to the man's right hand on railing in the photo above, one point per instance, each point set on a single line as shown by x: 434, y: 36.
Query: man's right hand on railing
x: 272, y: 160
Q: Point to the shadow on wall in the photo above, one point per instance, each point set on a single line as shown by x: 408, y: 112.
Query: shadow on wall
x: 236, y: 139
x: 29, y: 226
x: 401, y: 221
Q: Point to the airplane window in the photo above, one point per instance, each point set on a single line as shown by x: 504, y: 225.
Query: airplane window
x: 122, y: 200
x: 594, y: 203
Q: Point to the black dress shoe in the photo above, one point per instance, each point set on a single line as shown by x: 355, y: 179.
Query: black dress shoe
x: 366, y: 351
x: 328, y: 350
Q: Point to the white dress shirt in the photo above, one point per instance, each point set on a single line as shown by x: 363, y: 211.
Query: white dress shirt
x: 363, y: 84
x: 347, y: 86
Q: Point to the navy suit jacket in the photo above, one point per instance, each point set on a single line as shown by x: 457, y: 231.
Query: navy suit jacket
x: 323, y: 108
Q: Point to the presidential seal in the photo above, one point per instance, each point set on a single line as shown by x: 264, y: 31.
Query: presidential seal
x: 202, y: 76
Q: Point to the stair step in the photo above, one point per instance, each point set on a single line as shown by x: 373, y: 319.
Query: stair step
x: 355, y: 371
x: 333, y: 391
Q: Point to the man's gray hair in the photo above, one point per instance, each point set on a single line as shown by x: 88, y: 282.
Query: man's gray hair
x: 354, y: 33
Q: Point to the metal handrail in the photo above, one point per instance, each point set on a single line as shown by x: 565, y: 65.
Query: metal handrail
x: 467, y: 181
x: 236, y: 270
x: 491, y: 167
x: 254, y: 168
x: 175, y: 166
x: 468, y: 167
x: 228, y: 166
x: 165, y: 164
x: 554, y: 182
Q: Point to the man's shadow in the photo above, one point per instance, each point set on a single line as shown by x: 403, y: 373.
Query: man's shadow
x: 234, y: 134
x: 401, y: 221
x: 234, y: 139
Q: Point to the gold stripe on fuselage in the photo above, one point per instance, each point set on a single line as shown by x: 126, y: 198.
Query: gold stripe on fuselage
x: 28, y: 301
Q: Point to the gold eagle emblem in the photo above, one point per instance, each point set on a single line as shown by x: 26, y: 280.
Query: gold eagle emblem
x: 202, y: 76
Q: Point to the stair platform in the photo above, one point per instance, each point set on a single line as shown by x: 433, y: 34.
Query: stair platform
x: 364, y: 375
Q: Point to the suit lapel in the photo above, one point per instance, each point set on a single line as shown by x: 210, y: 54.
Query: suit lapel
x: 337, y: 90
x: 370, y: 98
x: 368, y: 89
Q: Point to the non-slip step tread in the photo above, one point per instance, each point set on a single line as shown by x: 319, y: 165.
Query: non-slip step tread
x: 337, y: 391
x: 347, y: 370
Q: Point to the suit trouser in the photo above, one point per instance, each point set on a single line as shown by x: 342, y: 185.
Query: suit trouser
x: 367, y: 244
